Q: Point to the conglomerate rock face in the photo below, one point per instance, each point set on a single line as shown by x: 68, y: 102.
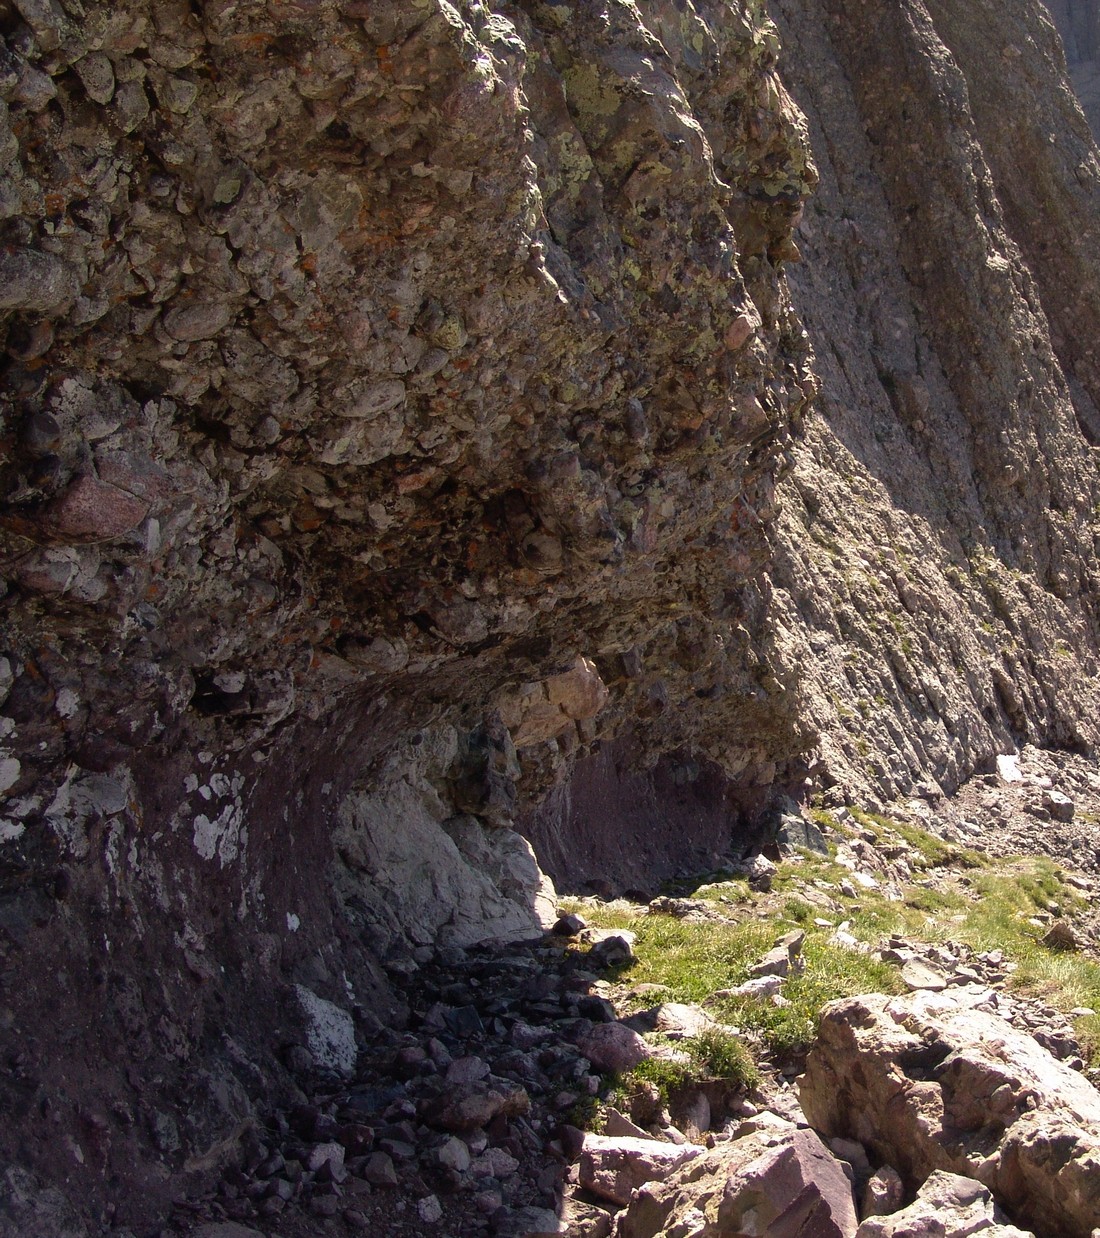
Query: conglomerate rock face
x: 394, y: 401
x: 387, y: 385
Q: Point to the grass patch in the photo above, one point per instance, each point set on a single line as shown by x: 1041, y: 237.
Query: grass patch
x: 716, y: 1054
x: 696, y: 960
x: 931, y: 852
x: 832, y: 971
x: 964, y: 898
x: 720, y: 1055
x: 798, y: 911
x: 692, y: 960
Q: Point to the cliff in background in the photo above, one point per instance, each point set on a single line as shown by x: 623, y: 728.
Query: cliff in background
x: 420, y: 421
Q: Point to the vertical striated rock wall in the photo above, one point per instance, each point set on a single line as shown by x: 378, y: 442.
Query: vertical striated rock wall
x: 1078, y: 23
x: 938, y: 543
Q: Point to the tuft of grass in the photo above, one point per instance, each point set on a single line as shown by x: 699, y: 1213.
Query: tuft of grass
x: 719, y: 1054
x: 715, y: 1054
x: 797, y: 910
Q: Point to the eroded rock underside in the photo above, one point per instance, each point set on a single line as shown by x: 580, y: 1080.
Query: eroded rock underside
x: 422, y: 420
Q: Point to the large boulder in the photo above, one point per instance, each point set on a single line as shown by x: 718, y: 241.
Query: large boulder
x: 613, y: 1167
x: 613, y: 1047
x: 930, y: 1083
x: 947, y: 1206
x: 780, y: 1181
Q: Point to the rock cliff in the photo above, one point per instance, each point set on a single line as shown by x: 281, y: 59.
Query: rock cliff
x: 421, y: 421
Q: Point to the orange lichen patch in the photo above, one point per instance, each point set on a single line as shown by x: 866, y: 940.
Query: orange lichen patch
x: 257, y: 41
x: 408, y: 482
x: 385, y: 60
x: 307, y: 519
x: 308, y: 263
x: 55, y: 204
x: 688, y: 419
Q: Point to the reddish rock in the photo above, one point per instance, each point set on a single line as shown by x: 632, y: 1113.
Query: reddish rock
x: 613, y: 1047
x: 91, y: 510
x: 782, y: 1182
x: 579, y: 692
x: 738, y: 332
x: 948, y: 1206
x: 613, y: 1167
x: 883, y: 1193
x: 928, y: 1084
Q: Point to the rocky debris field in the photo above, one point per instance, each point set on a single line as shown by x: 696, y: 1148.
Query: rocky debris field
x: 1038, y: 800
x: 829, y: 1041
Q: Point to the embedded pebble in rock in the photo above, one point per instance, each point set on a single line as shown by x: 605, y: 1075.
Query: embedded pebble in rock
x: 92, y: 511
x: 39, y: 282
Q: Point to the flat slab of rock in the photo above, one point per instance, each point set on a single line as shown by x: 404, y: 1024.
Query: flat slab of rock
x: 929, y: 1083
x: 614, y: 1167
x: 948, y: 1206
x: 918, y: 975
x: 781, y: 1182
x: 616, y: 1123
x: 677, y: 1019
